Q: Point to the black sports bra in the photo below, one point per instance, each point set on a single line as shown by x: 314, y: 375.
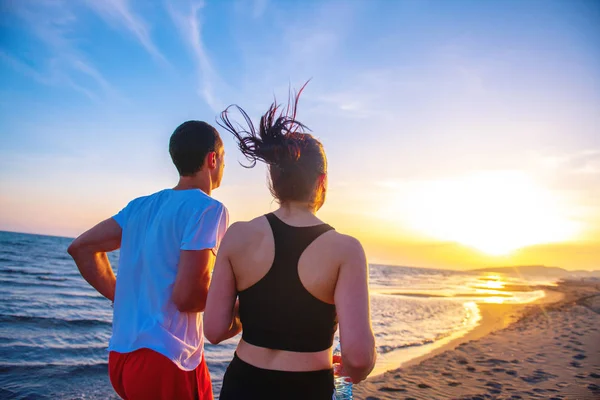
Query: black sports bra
x: 278, y: 312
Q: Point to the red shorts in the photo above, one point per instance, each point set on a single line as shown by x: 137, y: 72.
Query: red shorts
x: 146, y: 374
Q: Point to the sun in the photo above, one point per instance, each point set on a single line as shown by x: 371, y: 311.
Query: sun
x: 495, y: 212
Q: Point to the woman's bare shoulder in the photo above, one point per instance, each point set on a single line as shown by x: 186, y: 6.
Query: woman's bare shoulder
x: 245, y: 232
x: 345, y: 245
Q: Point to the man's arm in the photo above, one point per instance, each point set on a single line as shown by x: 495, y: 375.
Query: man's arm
x: 200, y: 242
x: 89, y: 253
x: 193, y: 278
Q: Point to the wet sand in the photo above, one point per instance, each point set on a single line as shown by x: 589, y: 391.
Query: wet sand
x: 549, y: 349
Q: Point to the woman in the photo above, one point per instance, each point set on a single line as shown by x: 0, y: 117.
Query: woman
x: 295, y: 276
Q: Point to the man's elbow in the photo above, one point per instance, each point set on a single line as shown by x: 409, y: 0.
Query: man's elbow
x: 190, y: 302
x: 189, y: 305
x: 74, y: 248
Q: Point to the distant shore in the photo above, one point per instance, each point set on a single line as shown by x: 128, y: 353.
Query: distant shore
x: 545, y: 349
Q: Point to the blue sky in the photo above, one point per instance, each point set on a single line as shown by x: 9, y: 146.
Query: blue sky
x: 406, y: 96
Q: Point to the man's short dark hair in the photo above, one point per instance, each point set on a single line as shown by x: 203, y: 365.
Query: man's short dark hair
x: 190, y: 143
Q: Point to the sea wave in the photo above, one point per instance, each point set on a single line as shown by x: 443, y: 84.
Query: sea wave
x: 52, y: 278
x: 387, y: 348
x: 54, y: 368
x: 51, y: 322
x: 48, y: 283
x: 29, y: 271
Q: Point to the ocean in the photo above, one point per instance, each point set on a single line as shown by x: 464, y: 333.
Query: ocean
x: 54, y: 328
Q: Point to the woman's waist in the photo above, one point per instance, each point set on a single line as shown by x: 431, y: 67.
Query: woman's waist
x: 284, y: 360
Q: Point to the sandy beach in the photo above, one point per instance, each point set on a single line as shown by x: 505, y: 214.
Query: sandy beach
x: 549, y: 349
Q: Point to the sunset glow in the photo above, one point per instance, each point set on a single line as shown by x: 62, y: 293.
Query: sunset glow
x: 494, y: 212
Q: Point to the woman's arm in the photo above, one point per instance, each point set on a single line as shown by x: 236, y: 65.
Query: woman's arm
x: 221, y: 316
x: 353, y: 310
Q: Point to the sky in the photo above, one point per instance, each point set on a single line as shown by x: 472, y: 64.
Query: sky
x: 459, y: 134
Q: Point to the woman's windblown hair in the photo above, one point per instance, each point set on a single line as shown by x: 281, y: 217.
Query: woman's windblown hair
x: 277, y: 139
x: 296, y: 159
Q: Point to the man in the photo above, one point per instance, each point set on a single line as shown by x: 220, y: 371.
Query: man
x: 168, y: 243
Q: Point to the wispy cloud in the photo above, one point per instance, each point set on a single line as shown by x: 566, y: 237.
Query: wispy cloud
x: 118, y: 12
x: 25, y: 69
x: 372, y: 93
x: 58, y: 62
x: 52, y: 76
x: 310, y: 45
x: 187, y: 20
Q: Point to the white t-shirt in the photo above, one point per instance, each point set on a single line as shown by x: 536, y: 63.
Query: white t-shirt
x: 155, y: 229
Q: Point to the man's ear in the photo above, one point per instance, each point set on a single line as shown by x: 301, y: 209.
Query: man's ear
x: 211, y: 160
x: 323, y: 182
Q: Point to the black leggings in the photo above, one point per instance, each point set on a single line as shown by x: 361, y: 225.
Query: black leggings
x: 243, y: 381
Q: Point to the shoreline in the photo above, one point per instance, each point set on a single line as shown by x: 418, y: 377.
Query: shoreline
x: 493, y: 317
x: 495, y: 334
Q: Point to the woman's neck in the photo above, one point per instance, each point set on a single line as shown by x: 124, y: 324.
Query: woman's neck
x: 297, y: 208
x: 297, y: 214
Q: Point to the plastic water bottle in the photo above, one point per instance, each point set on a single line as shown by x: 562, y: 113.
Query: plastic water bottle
x: 343, y: 384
